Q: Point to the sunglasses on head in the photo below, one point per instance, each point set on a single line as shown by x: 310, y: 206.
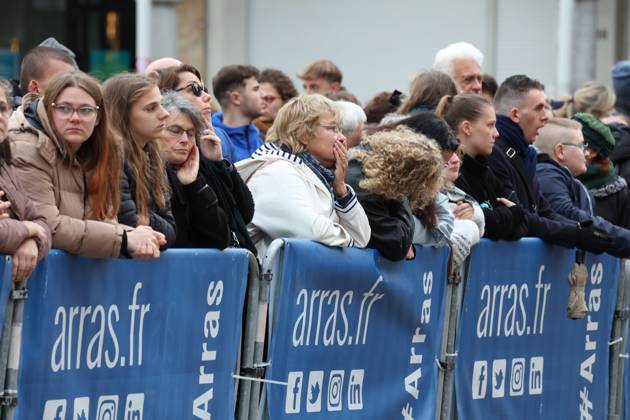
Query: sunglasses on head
x: 196, y: 88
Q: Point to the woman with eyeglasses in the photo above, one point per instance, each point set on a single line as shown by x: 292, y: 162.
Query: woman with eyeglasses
x: 69, y: 165
x: 24, y: 234
x: 214, y: 143
x: 136, y: 114
x: 277, y: 88
x: 201, y: 222
x: 233, y: 195
x: 298, y: 179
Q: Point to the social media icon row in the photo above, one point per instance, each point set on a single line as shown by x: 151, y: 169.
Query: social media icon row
x: 106, y: 408
x: 315, y: 387
x: 498, y: 377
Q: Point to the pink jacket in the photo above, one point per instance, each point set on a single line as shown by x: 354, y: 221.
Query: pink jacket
x: 12, y: 231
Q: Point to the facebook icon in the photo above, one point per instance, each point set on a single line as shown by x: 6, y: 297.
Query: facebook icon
x: 479, y: 379
x: 294, y: 392
x: 54, y: 410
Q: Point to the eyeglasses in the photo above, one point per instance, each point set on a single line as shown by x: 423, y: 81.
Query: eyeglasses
x: 5, y: 109
x: 582, y: 147
x: 270, y: 98
x: 333, y: 128
x: 197, y: 89
x: 85, y: 112
x: 177, y: 131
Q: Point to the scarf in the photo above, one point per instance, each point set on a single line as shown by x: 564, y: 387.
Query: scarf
x: 324, y: 174
x: 595, y: 178
x: 513, y: 134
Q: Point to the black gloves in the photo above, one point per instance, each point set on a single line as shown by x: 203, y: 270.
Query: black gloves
x: 592, y: 239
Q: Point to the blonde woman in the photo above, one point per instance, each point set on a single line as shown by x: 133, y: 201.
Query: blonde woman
x: 298, y: 179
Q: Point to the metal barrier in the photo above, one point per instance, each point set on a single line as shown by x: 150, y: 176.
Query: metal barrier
x: 130, y: 339
x: 430, y: 361
x: 619, y: 344
x: 448, y: 349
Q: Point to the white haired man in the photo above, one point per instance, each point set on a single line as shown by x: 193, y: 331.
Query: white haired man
x: 462, y: 61
x: 352, y: 120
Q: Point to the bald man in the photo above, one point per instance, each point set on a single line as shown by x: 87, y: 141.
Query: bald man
x: 162, y: 63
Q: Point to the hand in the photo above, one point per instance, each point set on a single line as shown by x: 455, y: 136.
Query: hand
x: 341, y: 168
x: 159, y: 237
x: 4, y: 205
x: 24, y: 260
x: 411, y: 253
x: 187, y: 172
x: 35, y: 230
x: 463, y: 210
x: 506, y: 202
x: 142, y: 243
x: 210, y: 145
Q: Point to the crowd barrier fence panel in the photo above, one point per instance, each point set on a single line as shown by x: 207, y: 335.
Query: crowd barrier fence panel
x: 248, y: 390
x: 618, y: 341
x: 448, y: 349
x: 133, y: 339
x: 354, y: 336
x: 519, y: 356
x: 7, y: 397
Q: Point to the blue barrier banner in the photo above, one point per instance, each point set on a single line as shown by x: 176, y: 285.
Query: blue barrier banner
x: 519, y: 356
x: 133, y: 340
x: 355, y: 335
x: 6, y: 283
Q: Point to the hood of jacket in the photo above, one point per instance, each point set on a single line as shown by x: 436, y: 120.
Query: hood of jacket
x: 31, y: 119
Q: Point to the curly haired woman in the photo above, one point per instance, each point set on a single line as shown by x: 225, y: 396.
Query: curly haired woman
x: 395, y: 173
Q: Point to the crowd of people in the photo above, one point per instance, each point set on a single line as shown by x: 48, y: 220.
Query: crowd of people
x: 143, y: 162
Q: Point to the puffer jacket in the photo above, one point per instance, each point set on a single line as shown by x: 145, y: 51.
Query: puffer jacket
x: 292, y: 202
x: 160, y: 219
x: 57, y: 185
x: 12, y: 231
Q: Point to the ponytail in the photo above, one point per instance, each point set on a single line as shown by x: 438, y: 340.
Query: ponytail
x: 443, y: 105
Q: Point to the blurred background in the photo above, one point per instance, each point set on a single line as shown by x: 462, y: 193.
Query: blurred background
x: 378, y: 45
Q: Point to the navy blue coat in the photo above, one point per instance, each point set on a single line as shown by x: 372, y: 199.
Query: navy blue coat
x: 570, y: 198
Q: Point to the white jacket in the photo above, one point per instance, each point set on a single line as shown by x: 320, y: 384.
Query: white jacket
x: 292, y: 202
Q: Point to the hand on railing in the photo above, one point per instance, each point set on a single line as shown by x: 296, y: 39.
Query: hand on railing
x: 143, y: 242
x: 24, y: 260
x: 4, y: 206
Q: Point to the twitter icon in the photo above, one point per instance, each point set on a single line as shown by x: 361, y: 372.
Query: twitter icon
x: 314, y: 391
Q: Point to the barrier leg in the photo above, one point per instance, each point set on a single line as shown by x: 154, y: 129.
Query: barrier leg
x: 454, y: 295
x: 5, y: 343
x: 249, y: 338
x: 259, y: 345
x: 15, y: 315
x: 619, y: 345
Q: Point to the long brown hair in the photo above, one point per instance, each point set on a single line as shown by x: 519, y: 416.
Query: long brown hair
x: 426, y: 89
x: 121, y: 93
x: 100, y: 155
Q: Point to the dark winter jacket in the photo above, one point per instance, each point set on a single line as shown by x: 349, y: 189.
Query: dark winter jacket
x: 391, y: 221
x: 510, y: 165
x: 160, y: 219
x: 613, y: 201
x: 200, y: 221
x: 477, y: 179
x: 621, y: 153
x: 233, y: 197
x: 570, y: 198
